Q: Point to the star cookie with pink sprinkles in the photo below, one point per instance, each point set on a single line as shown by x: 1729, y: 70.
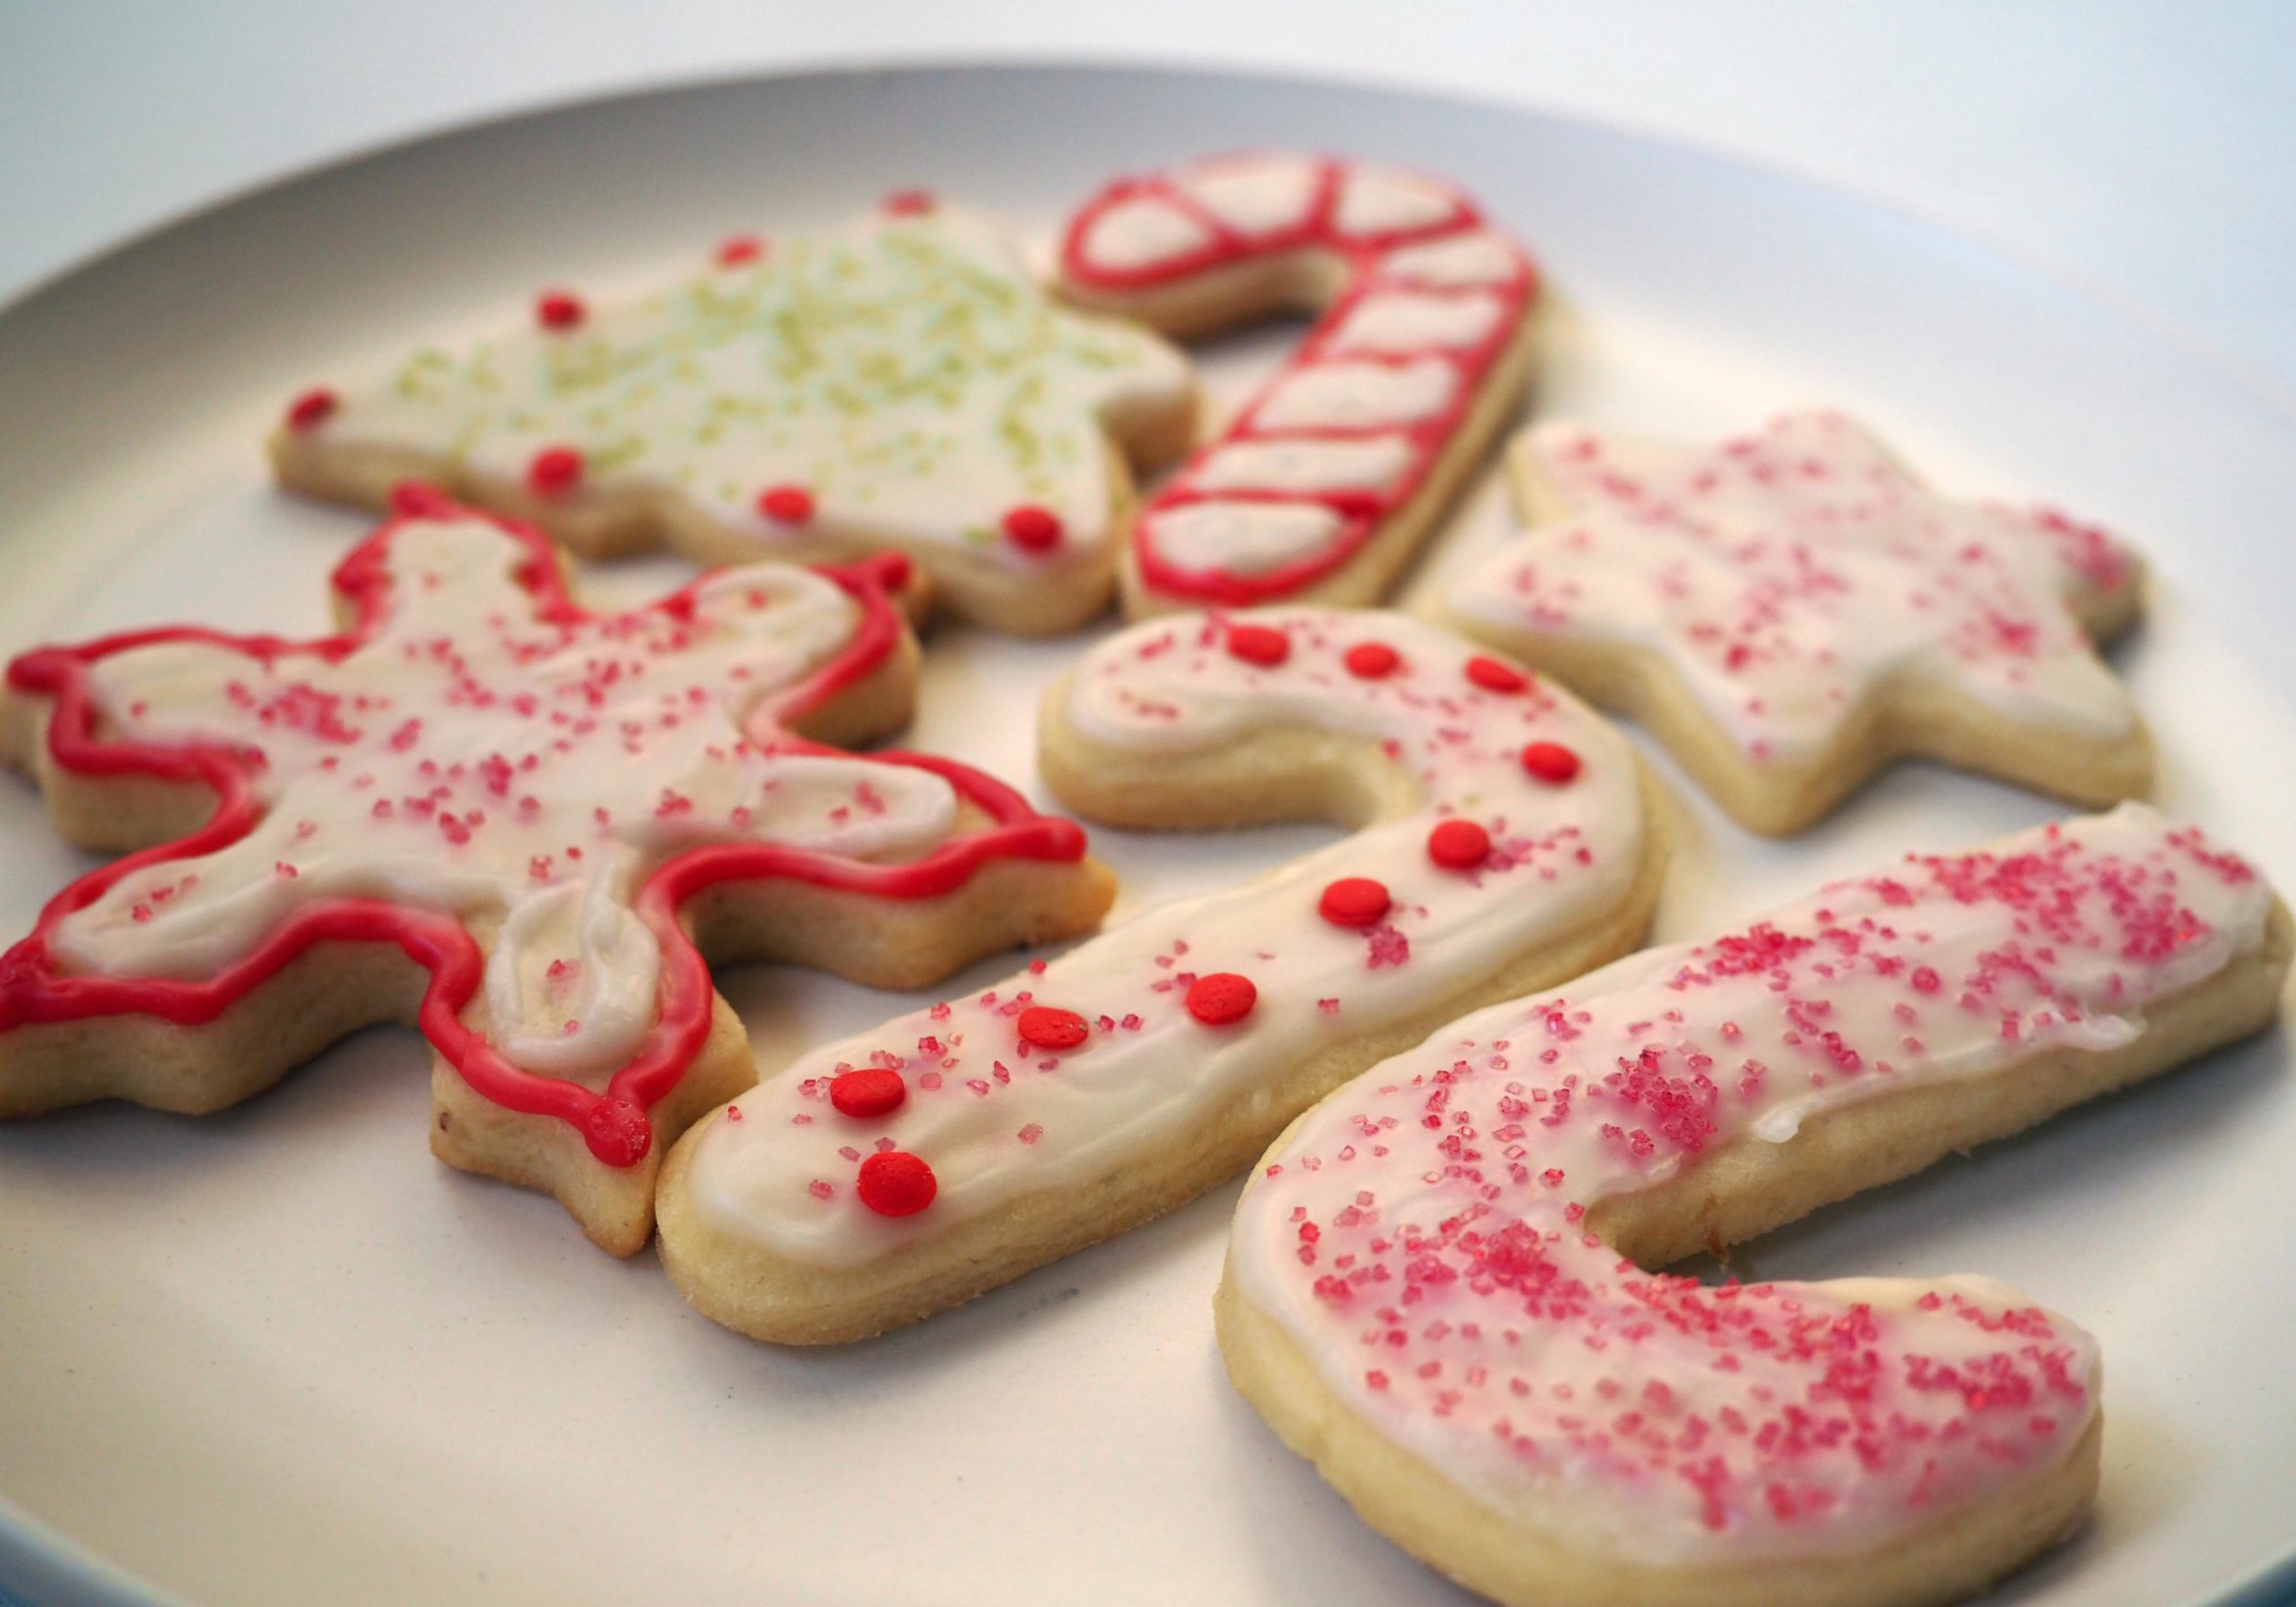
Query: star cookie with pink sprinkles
x: 554, y: 813
x: 1790, y: 610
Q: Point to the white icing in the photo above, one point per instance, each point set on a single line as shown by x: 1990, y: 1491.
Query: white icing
x: 1286, y: 464
x: 996, y: 1120
x: 907, y: 372
x: 1142, y: 230
x: 1386, y: 201
x: 1788, y: 575
x: 1417, y: 1234
x: 1406, y: 321
x: 1422, y: 304
x: 1482, y: 257
x: 1246, y: 538
x: 1255, y: 196
x: 1354, y: 396
x: 463, y: 703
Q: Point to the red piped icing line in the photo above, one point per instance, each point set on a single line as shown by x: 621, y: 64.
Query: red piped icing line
x: 1358, y: 512
x: 613, y: 1121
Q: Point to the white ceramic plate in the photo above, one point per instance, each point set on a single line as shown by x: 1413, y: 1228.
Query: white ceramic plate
x: 281, y: 1356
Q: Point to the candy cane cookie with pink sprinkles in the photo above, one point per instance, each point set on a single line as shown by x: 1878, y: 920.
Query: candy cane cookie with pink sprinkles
x: 897, y: 383
x: 1435, y: 1286
x: 1790, y: 609
x: 553, y: 813
x: 1505, y: 833
x: 1335, y: 472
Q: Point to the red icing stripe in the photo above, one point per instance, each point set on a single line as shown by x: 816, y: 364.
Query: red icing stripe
x: 613, y: 1121
x: 1362, y: 513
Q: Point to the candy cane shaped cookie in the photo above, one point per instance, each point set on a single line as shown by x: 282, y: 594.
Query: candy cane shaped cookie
x: 553, y: 813
x: 900, y: 383
x: 1333, y: 476
x: 1503, y: 835
x: 1426, y: 1293
x: 1790, y: 610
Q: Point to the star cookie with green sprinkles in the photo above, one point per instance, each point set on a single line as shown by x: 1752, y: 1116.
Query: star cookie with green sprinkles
x: 899, y: 382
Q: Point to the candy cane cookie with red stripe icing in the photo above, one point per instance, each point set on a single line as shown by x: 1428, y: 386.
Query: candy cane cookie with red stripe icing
x: 1504, y: 834
x: 1435, y: 1289
x: 1790, y: 610
x: 1332, y: 477
x: 898, y: 383
x: 553, y: 813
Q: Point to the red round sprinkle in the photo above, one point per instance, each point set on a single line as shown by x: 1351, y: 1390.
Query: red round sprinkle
x: 786, y: 504
x: 909, y: 204
x: 1458, y: 844
x: 618, y: 1132
x: 1033, y: 529
x: 741, y: 249
x: 1494, y: 676
x: 896, y: 1183
x: 1258, y: 644
x: 868, y: 1092
x: 1050, y: 1028
x: 558, y: 310
x: 1355, y: 901
x: 418, y: 499
x: 312, y: 409
x: 555, y: 469
x: 1221, y: 998
x: 1371, y: 660
x: 1551, y: 762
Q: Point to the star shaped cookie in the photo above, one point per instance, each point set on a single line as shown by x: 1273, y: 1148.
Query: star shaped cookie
x: 1790, y: 610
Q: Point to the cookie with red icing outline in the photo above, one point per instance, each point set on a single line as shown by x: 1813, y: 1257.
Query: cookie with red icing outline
x: 518, y: 825
x: 900, y: 383
x: 1504, y: 833
x: 1332, y: 477
x: 1790, y: 610
x: 1435, y: 1291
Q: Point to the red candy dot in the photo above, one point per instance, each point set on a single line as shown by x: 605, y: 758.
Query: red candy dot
x: 415, y: 499
x: 1050, y: 1028
x: 896, y: 1183
x: 741, y: 249
x: 312, y: 409
x: 555, y: 469
x: 1221, y: 998
x: 1032, y: 529
x: 1551, y: 762
x: 1458, y: 844
x: 868, y: 1092
x: 617, y: 1132
x: 1355, y: 901
x: 786, y: 504
x: 1371, y: 660
x: 556, y: 309
x: 909, y: 204
x: 1258, y: 644
x: 1494, y: 676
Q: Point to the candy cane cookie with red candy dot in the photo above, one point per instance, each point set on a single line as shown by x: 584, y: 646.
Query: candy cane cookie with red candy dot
x: 900, y: 383
x: 1435, y: 1287
x: 1503, y: 834
x: 1790, y: 609
x: 1334, y: 474
x: 553, y: 813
